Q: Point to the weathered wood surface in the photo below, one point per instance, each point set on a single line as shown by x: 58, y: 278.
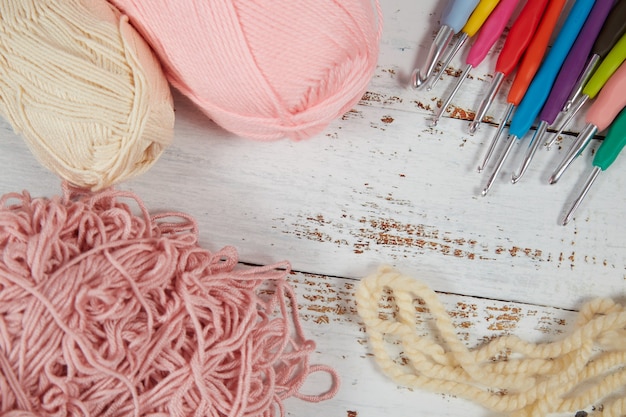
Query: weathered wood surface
x: 378, y: 187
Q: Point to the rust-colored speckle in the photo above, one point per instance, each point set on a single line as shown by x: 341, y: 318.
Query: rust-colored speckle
x: 387, y: 119
x: 452, y: 72
x: 422, y: 106
x: 459, y: 113
x: 352, y: 413
x: 507, y: 318
x: 370, y: 97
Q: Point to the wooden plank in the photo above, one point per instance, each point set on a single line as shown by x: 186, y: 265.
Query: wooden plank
x: 372, y: 190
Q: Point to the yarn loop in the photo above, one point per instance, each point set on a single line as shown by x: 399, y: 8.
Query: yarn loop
x: 507, y: 374
x: 108, y: 313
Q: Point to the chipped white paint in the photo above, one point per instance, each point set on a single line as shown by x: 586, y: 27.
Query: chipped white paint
x: 380, y: 186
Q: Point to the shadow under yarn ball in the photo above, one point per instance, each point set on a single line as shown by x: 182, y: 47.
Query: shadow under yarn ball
x: 264, y: 70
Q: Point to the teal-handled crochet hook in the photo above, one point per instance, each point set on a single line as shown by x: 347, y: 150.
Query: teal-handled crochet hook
x: 606, y: 154
x: 600, y: 116
x: 453, y: 19
x: 540, y: 87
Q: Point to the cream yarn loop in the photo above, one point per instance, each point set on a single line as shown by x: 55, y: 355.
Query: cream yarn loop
x: 534, y: 379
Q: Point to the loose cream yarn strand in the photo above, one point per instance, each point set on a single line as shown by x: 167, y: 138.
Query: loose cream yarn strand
x: 535, y: 379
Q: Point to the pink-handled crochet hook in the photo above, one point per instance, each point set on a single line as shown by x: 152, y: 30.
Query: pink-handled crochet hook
x: 487, y: 37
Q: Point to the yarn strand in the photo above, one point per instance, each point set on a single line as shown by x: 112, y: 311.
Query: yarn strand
x: 108, y: 313
x: 535, y: 379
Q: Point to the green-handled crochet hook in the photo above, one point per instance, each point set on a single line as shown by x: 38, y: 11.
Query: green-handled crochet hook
x: 606, y: 154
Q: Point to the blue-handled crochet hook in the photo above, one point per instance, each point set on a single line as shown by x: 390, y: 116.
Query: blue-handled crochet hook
x: 453, y: 19
x: 571, y: 70
x: 540, y: 87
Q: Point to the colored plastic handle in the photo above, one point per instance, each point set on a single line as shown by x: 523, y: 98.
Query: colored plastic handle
x: 457, y: 12
x: 614, y: 28
x: 607, y: 68
x: 610, y: 101
x: 520, y: 35
x: 535, y: 52
x: 479, y: 16
x: 491, y: 32
x: 613, y: 144
x: 541, y: 85
x: 575, y: 62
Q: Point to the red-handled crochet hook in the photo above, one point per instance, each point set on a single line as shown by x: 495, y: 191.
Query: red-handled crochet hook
x: 518, y: 39
x: 527, y: 69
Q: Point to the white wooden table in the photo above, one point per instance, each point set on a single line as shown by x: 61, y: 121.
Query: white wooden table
x: 379, y: 187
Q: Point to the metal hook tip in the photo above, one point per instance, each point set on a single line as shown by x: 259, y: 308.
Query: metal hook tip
x: 417, y: 80
x: 472, y: 128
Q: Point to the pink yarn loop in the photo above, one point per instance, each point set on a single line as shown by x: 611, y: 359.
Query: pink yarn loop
x: 106, y: 313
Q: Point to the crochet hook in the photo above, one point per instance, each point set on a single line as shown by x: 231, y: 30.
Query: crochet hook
x: 613, y: 29
x: 516, y: 42
x: 474, y: 23
x: 568, y: 75
x: 487, y: 37
x: 606, y: 154
x: 607, y: 67
x: 527, y: 69
x: 541, y: 85
x: 453, y: 19
x: 609, y: 103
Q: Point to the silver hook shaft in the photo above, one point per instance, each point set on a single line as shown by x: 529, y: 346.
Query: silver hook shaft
x: 486, y: 102
x: 582, y: 80
x: 439, y: 45
x: 530, y: 153
x: 448, y: 100
x: 492, y: 178
x: 569, y: 117
x: 582, y: 140
x: 494, y: 140
x: 448, y: 59
x: 581, y: 196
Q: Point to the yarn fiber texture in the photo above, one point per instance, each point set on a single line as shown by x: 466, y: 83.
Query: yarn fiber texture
x: 508, y: 374
x: 108, y: 313
x: 84, y: 90
x: 264, y: 70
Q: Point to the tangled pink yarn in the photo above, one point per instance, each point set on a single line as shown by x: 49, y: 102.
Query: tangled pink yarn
x: 264, y: 70
x: 106, y: 313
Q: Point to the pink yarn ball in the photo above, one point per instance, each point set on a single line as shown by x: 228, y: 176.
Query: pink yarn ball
x: 105, y: 313
x: 264, y: 70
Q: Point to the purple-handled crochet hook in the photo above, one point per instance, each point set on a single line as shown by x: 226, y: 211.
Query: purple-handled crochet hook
x: 571, y: 70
